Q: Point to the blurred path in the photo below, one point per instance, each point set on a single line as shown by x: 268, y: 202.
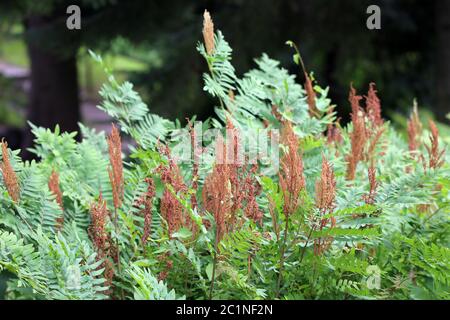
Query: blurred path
x: 91, y: 115
x: 13, y: 72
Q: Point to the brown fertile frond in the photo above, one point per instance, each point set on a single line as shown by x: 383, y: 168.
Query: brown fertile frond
x: 9, y: 176
x: 101, y: 239
x: 354, y: 99
x: 311, y: 97
x: 146, y: 200
x: 373, y: 106
x: 358, y: 140
x: 217, y: 193
x: 171, y: 209
x: 116, y: 170
x: 99, y: 213
x: 291, y: 176
x: 373, y: 144
x: 435, y: 156
x: 252, y: 190
x: 233, y: 156
x: 370, y: 197
x: 231, y: 184
x: 414, y: 129
x: 325, y: 202
x: 208, y: 32
x: 326, y: 188
x: 358, y: 137
x: 234, y: 151
x: 53, y: 185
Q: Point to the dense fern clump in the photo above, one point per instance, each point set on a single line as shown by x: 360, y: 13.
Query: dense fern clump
x: 314, y: 211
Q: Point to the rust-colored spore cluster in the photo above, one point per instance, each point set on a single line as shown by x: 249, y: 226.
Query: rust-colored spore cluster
x: 231, y: 186
x: 217, y: 195
x: 371, y: 150
x: 325, y: 202
x: 414, y: 127
x: 232, y: 158
x: 367, y: 130
x: 9, y: 175
x: 373, y: 184
x: 101, y: 238
x: 116, y: 169
x: 291, y: 176
x: 53, y: 185
x: 311, y: 97
x: 252, y: 190
x: 208, y: 32
x: 146, y: 203
x: 358, y: 136
x: 171, y: 209
x: 435, y: 155
x: 373, y: 106
x: 326, y: 188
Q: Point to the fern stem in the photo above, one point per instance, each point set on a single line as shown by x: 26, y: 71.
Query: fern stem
x: 119, y: 268
x: 306, y: 244
x: 283, y: 249
x: 213, y: 276
x: 117, y: 239
x: 302, y: 65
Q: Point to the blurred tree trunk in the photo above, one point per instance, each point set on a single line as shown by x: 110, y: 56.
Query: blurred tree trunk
x: 53, y: 98
x: 442, y: 107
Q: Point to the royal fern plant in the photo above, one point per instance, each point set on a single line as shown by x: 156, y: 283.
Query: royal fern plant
x: 314, y: 210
